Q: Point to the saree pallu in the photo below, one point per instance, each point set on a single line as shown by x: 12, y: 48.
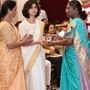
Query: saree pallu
x: 75, y: 73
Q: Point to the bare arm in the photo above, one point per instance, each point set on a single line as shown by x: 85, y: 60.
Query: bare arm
x: 27, y: 40
x: 7, y: 33
x: 63, y: 42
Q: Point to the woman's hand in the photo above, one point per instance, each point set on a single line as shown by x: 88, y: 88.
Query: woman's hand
x: 42, y: 41
x: 27, y: 39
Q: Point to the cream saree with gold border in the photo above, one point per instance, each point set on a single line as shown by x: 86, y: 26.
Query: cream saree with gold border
x: 33, y: 56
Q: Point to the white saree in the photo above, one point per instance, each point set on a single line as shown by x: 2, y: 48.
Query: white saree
x: 34, y: 56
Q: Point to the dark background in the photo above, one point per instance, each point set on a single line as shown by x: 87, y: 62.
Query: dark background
x: 55, y: 9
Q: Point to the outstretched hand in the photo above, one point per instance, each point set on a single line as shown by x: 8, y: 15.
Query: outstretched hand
x: 44, y: 41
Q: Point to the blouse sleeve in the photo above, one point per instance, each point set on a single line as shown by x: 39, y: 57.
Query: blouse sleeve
x: 7, y: 33
x: 71, y: 33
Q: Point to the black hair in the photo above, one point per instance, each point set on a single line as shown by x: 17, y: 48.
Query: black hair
x: 83, y: 15
x: 43, y: 19
x: 27, y: 6
x: 76, y: 4
x: 9, y: 4
x: 17, y: 23
x: 46, y: 28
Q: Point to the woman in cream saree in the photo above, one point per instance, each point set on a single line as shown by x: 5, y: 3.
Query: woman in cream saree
x: 33, y: 54
x: 34, y: 57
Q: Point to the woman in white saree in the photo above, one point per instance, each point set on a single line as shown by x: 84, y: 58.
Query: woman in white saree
x: 33, y: 54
